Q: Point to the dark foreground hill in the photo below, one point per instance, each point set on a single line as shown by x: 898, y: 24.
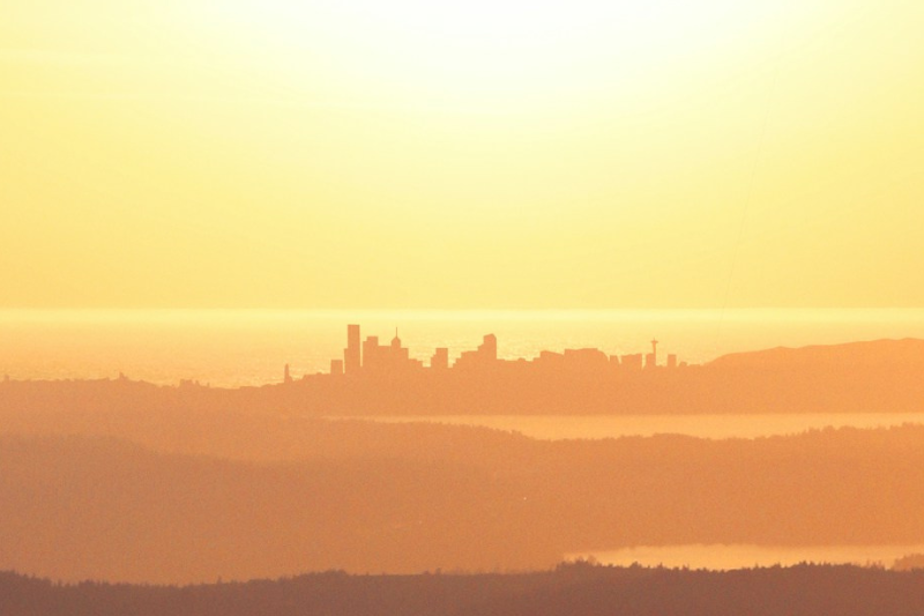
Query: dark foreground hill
x: 571, y: 590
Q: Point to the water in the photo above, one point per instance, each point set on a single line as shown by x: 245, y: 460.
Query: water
x: 727, y: 557
x: 701, y: 426
x: 250, y: 347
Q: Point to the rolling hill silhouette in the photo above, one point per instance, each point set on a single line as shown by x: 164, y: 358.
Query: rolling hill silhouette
x: 572, y: 590
x: 74, y: 507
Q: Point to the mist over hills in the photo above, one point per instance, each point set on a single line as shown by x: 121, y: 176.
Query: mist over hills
x: 97, y: 508
x: 440, y: 497
x: 127, y: 481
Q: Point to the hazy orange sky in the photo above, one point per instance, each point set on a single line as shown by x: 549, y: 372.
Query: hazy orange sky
x: 414, y: 154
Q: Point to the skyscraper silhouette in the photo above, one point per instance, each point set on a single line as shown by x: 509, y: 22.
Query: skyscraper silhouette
x: 352, y: 355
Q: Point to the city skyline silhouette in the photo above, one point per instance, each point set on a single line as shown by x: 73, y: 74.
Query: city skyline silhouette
x: 494, y: 307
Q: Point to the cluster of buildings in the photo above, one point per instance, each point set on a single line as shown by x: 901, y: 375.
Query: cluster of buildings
x: 370, y: 357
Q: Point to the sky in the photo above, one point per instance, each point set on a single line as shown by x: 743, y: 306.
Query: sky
x: 492, y: 155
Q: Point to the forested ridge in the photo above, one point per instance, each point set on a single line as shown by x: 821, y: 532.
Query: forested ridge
x: 570, y: 590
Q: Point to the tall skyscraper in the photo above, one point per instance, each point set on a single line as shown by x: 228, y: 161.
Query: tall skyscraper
x: 651, y: 359
x: 352, y: 354
x: 440, y: 359
x: 488, y: 348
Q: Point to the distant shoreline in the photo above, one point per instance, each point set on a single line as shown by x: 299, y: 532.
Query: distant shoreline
x: 235, y: 348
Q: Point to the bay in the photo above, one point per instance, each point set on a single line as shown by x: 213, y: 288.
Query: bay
x: 741, y: 556
x: 562, y: 427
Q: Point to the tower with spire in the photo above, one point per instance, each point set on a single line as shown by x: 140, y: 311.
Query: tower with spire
x: 652, y: 359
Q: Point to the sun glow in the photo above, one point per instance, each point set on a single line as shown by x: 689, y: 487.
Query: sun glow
x: 410, y: 154
x: 491, y: 52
